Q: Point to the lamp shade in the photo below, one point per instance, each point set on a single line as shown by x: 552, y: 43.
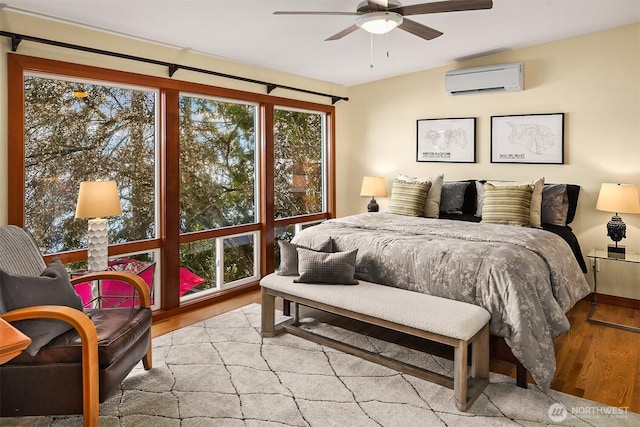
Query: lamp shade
x: 373, y: 186
x: 619, y: 198
x: 98, y: 199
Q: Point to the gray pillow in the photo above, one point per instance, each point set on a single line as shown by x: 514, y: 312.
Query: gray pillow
x: 452, y: 197
x: 555, y: 204
x: 52, y: 287
x: 289, y: 255
x: 479, y: 198
x: 336, y: 268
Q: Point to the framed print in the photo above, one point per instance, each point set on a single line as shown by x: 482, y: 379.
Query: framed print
x: 530, y: 138
x: 446, y: 140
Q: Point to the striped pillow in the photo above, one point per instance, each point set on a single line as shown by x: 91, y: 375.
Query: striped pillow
x: 408, y: 197
x: 509, y: 205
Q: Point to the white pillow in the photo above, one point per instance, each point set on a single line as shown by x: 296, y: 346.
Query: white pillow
x: 432, y: 204
x: 536, y: 198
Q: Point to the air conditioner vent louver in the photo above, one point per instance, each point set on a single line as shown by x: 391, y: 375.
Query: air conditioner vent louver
x: 494, y: 78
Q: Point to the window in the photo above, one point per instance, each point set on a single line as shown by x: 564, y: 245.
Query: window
x: 83, y: 132
x: 299, y: 149
x: 218, y: 157
x: 217, y: 163
x: 205, y: 174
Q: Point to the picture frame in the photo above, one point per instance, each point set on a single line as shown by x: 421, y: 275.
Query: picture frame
x: 528, y: 138
x: 451, y: 140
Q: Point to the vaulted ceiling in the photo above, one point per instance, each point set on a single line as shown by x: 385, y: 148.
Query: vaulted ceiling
x: 247, y: 31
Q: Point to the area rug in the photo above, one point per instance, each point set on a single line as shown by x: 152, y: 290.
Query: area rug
x: 220, y: 372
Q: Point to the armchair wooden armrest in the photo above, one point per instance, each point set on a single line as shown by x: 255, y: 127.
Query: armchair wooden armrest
x: 87, y: 332
x: 136, y: 281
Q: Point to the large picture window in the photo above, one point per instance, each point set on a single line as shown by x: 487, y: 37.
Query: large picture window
x: 84, y: 132
x: 218, y: 158
x: 206, y: 175
x: 217, y: 163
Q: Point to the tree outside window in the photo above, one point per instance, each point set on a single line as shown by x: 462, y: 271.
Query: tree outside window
x: 84, y: 132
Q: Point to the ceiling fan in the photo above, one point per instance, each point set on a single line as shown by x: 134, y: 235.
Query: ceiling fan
x: 382, y: 16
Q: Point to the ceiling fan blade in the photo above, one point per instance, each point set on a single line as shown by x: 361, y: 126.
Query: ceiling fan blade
x: 343, y: 33
x: 378, y: 5
x: 292, y: 12
x: 419, y: 30
x: 443, y: 6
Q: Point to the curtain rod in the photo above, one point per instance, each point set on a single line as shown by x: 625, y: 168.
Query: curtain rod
x: 17, y: 38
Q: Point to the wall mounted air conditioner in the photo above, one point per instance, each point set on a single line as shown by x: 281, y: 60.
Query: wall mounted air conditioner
x: 492, y: 78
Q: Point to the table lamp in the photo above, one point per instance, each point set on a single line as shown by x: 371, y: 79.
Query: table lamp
x: 98, y: 200
x: 617, y: 198
x: 373, y: 186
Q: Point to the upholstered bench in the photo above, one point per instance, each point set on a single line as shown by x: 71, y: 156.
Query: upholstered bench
x: 446, y: 321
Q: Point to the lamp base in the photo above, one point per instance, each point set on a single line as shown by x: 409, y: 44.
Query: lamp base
x: 614, y: 251
x: 373, y: 205
x: 98, y: 251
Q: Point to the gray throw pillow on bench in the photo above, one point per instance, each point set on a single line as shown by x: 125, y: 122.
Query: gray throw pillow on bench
x: 336, y: 268
x: 289, y: 255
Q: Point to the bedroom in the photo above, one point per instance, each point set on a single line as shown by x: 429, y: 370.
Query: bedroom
x: 592, y: 78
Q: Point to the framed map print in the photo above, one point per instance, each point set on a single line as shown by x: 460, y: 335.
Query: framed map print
x: 531, y: 138
x: 446, y: 140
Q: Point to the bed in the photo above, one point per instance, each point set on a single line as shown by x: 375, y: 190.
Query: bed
x: 527, y: 278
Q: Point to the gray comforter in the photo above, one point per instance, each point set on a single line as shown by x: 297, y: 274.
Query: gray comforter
x: 526, y: 278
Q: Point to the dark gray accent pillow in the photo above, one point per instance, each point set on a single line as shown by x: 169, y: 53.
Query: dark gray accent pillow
x: 452, y: 196
x: 479, y: 198
x: 289, y: 255
x: 555, y: 204
x: 336, y: 268
x: 52, y: 287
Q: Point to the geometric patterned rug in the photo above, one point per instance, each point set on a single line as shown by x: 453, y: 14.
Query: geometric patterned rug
x: 220, y: 372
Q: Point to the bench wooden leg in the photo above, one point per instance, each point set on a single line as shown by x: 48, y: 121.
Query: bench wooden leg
x: 465, y: 390
x: 267, y: 320
x: 480, y: 355
x: 460, y: 374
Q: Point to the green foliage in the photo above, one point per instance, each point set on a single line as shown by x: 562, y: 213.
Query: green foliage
x: 298, y: 160
x: 217, y: 164
x: 110, y: 134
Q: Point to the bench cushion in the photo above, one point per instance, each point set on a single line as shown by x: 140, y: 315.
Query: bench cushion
x: 441, y: 316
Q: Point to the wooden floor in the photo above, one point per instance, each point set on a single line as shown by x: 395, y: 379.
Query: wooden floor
x: 595, y: 362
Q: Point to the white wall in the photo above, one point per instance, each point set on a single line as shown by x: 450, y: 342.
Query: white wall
x: 593, y: 79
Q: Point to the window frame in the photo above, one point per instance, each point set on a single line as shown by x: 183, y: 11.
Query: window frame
x: 157, y: 130
x: 323, y: 156
x: 169, y: 237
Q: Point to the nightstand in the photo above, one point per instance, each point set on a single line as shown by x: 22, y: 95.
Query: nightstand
x: 601, y: 255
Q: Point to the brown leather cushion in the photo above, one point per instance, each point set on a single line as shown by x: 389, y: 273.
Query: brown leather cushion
x: 118, y: 329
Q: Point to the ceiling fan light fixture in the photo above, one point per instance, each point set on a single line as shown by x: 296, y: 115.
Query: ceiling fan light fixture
x: 379, y: 22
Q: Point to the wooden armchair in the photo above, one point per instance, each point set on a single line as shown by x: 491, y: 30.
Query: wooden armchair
x: 81, y: 367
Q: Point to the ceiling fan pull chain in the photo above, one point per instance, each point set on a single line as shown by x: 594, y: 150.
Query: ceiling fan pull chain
x: 371, y: 51
x: 387, y: 45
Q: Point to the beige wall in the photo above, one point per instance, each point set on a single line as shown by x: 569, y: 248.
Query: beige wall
x: 593, y: 79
